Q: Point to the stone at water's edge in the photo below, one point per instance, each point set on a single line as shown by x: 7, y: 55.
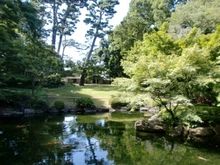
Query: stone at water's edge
x: 201, y: 132
x: 29, y: 111
x: 53, y: 110
x: 155, y: 125
x: 103, y: 109
x: 149, y: 109
x: 90, y: 109
x: 152, y: 125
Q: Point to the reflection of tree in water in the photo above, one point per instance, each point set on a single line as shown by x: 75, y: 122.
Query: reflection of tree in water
x: 124, y: 147
x: 90, y: 155
x: 76, y: 142
x: 90, y: 130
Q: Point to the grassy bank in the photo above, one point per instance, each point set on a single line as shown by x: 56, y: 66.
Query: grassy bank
x: 100, y: 93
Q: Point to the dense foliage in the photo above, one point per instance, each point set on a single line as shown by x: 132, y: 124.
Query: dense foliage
x: 173, y: 58
x: 165, y: 50
x: 59, y: 105
x: 84, y: 102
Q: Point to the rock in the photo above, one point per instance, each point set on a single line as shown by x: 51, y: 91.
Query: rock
x: 122, y: 109
x: 111, y: 110
x: 201, y: 132
x: 150, y: 126
x: 53, y: 110
x: 90, y: 110
x: 6, y: 112
x: 102, y: 109
x: 29, y: 111
x: 151, y: 110
x: 155, y: 118
x: 73, y: 109
x: 18, y: 113
x: 66, y: 109
x: 178, y: 131
x: 39, y: 111
x: 144, y: 109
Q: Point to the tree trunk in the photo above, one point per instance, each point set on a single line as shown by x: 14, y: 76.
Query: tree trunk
x: 63, y: 21
x: 54, y: 29
x: 82, y: 78
x: 59, y: 44
x: 63, y: 52
x: 83, y: 75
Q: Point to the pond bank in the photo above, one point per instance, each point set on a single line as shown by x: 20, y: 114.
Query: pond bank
x: 67, y: 109
x: 156, y: 125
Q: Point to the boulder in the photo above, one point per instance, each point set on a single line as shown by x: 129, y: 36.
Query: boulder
x: 6, y: 112
x: 102, y: 109
x: 178, y: 131
x: 152, y: 125
x: 53, y: 110
x: 148, y: 109
x: 201, y: 132
x: 18, y: 113
x: 29, y: 111
x: 66, y: 109
x: 90, y: 110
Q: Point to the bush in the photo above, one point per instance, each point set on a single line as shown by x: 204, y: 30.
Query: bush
x: 116, y: 102
x: 40, y: 104
x: 59, y: 105
x: 84, y: 102
x: 184, y: 115
x: 52, y: 81
x: 14, y: 98
x: 21, y: 100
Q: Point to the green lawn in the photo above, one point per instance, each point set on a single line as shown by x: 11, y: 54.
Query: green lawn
x: 100, y: 93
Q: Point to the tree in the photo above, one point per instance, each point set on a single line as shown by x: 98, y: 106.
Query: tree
x: 174, y: 75
x: 100, y: 11
x: 63, y: 15
x: 19, y: 22
x: 143, y: 17
x: 201, y: 14
x: 108, y: 54
x: 37, y: 71
x: 25, y: 57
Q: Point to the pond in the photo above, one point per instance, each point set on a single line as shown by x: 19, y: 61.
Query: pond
x: 92, y: 140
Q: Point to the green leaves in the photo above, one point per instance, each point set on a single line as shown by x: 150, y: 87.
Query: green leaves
x: 201, y: 14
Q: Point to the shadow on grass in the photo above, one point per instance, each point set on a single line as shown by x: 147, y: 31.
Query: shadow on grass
x: 100, y: 93
x: 102, y: 87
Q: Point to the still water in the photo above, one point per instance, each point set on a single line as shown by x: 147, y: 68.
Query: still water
x: 92, y: 140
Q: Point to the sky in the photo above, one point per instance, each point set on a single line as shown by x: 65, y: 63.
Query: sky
x: 79, y: 34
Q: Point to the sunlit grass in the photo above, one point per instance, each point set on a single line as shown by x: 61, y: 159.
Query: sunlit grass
x: 100, y: 93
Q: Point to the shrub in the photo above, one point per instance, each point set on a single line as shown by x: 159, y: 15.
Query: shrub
x: 40, y: 104
x: 116, y: 102
x: 14, y: 98
x: 52, y: 81
x: 184, y: 115
x: 59, y: 105
x: 84, y: 102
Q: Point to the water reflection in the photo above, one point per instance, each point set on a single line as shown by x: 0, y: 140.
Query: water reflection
x: 91, y: 140
x: 84, y: 148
